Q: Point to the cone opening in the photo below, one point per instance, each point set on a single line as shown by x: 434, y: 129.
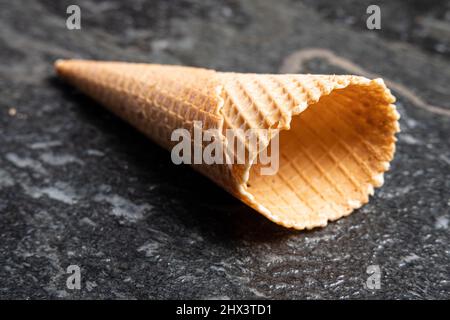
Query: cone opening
x: 330, y: 159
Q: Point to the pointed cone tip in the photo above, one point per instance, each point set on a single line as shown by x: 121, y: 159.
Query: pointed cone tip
x: 59, y: 65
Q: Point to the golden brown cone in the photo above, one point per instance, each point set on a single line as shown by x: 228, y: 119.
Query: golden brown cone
x: 337, y: 141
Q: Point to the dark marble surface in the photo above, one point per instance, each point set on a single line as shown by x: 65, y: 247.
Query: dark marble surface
x: 79, y: 186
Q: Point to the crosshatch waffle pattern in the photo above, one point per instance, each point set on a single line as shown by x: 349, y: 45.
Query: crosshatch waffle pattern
x: 332, y: 154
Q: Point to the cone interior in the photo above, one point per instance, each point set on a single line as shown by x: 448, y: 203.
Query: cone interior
x: 330, y: 159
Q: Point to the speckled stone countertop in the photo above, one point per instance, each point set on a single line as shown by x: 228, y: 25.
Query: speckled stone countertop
x: 80, y: 187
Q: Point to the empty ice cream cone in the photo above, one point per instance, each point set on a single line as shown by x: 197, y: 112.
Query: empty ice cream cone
x: 336, y: 133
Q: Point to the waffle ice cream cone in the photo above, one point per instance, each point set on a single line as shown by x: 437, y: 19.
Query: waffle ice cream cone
x: 336, y: 133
